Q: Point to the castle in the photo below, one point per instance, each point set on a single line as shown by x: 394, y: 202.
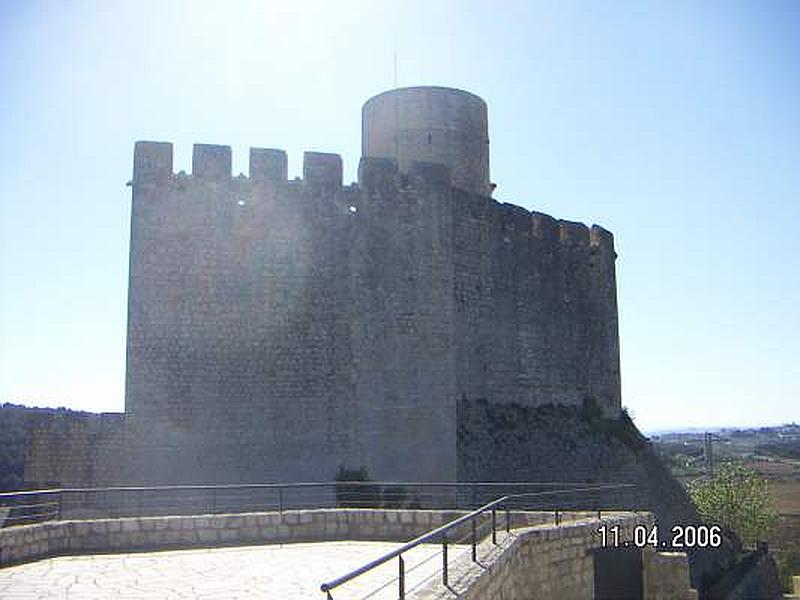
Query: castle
x: 281, y: 329
x: 407, y: 326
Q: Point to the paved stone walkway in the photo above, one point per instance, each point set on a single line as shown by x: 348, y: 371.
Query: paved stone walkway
x: 264, y: 572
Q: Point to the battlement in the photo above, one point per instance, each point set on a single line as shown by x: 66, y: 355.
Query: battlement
x: 268, y: 164
x: 601, y: 238
x: 573, y: 233
x: 545, y: 227
x: 211, y: 162
x: 516, y: 219
x: 322, y: 174
x: 152, y: 162
x: 322, y: 170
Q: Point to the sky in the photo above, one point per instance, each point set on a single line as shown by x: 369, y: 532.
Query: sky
x: 676, y: 125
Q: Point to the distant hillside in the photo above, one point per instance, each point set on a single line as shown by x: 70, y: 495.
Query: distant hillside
x: 773, y: 451
x: 15, y: 422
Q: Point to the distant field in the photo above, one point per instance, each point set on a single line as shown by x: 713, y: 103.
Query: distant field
x: 785, y: 495
x: 775, y: 468
x: 773, y: 457
x: 786, y: 534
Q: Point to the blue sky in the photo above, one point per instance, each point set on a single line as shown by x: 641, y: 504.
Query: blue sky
x: 674, y: 124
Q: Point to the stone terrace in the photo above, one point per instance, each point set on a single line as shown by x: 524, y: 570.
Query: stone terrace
x: 280, y: 555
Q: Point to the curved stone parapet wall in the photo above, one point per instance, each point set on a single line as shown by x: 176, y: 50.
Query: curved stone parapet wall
x: 31, y: 542
x: 537, y: 558
x: 25, y: 543
x: 549, y: 561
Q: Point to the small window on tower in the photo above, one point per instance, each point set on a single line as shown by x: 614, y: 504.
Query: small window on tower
x: 429, y: 139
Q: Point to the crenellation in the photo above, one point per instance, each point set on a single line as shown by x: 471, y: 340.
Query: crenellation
x: 211, y: 162
x: 573, y: 233
x: 152, y: 162
x: 268, y: 164
x: 516, y: 219
x: 545, y: 227
x: 322, y: 171
x: 601, y: 239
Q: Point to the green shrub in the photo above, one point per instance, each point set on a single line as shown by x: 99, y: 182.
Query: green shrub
x: 736, y: 499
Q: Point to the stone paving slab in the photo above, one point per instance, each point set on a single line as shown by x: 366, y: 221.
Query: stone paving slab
x: 263, y: 572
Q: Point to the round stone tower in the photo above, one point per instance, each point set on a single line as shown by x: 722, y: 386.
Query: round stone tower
x: 432, y: 124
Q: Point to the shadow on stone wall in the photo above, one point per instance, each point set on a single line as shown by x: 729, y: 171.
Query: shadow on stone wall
x: 509, y: 442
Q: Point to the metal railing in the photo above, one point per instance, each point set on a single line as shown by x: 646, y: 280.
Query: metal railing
x: 444, y: 534
x: 33, y: 506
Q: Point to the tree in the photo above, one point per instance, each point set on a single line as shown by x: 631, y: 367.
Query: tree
x: 736, y: 499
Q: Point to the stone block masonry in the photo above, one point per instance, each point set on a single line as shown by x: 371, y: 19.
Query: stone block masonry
x: 408, y: 326
x: 549, y: 561
x: 279, y: 330
x: 32, y: 542
x: 537, y: 559
x: 74, y: 449
x: 26, y: 543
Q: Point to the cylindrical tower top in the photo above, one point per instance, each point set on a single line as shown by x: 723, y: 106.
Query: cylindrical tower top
x: 433, y: 124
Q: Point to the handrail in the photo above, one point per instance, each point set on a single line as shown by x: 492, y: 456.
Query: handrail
x: 440, y: 531
x: 301, y: 484
x: 32, y: 506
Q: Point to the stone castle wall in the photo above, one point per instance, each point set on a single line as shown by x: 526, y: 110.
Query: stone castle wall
x: 279, y: 329
x: 510, y: 442
x: 75, y: 450
x: 431, y: 124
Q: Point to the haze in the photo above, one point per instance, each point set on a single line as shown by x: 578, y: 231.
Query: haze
x: 675, y: 125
